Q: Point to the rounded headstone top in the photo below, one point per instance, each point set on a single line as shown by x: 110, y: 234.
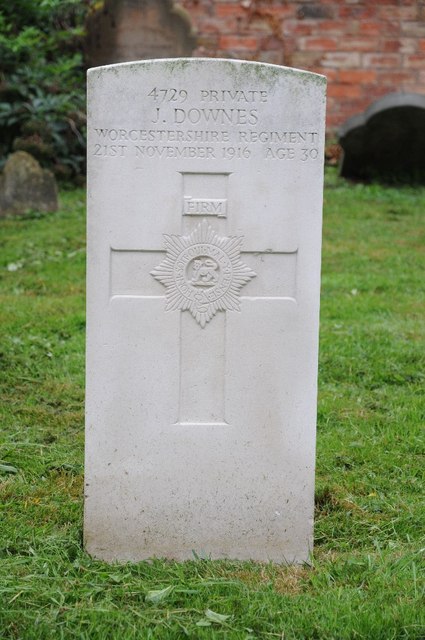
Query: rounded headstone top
x: 387, y: 140
x: 123, y: 30
x: 390, y: 101
x: 25, y: 185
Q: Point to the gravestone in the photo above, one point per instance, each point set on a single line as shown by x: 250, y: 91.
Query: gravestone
x: 123, y: 30
x: 25, y: 186
x: 387, y: 141
x: 204, y: 231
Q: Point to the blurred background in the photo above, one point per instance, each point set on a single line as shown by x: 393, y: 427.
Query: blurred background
x: 366, y: 49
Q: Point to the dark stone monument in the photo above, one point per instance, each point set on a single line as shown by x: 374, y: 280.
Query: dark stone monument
x: 24, y: 186
x: 387, y: 141
x: 125, y: 30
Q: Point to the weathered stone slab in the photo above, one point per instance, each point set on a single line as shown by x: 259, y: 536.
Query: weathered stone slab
x: 387, y: 141
x: 24, y: 186
x: 124, y: 30
x: 204, y: 230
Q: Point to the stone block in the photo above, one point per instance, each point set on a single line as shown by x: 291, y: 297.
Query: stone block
x: 25, y: 185
x: 204, y: 230
x: 387, y: 141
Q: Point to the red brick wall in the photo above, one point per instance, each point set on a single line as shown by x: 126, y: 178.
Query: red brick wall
x: 366, y: 48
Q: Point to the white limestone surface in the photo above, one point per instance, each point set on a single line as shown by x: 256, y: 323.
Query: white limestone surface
x: 204, y: 231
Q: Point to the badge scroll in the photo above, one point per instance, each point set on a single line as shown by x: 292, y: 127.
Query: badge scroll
x: 203, y: 273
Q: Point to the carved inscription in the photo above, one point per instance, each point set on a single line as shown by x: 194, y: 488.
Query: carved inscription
x: 204, y: 194
x: 204, y: 207
x: 219, y: 124
x: 203, y: 273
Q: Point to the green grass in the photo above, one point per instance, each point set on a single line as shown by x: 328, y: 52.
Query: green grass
x: 366, y: 581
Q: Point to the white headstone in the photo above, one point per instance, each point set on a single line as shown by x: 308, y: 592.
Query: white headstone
x: 204, y: 231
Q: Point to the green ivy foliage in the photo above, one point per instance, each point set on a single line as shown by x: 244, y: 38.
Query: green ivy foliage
x: 42, y: 82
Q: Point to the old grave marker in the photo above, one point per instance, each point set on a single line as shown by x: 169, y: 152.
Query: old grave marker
x: 204, y: 231
x: 387, y: 141
x: 122, y: 30
x: 26, y: 186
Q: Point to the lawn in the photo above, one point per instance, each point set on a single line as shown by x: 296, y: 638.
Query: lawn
x: 366, y: 579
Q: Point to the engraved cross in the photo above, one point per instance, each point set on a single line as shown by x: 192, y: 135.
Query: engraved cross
x: 206, y: 275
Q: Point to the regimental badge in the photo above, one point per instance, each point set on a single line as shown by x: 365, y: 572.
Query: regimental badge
x: 203, y: 273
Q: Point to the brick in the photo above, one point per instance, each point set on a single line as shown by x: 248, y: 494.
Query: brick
x: 347, y: 108
x: 414, y: 62
x: 259, y: 24
x: 394, y: 77
x: 360, y: 76
x: 398, y: 13
x: 377, y: 91
x: 319, y: 44
x: 209, y: 41
x: 381, y: 61
x: 390, y: 28
x: 238, y: 42
x: 408, y: 45
x: 413, y: 29
x: 411, y: 87
x: 344, y: 90
x: 421, y: 45
x: 293, y: 27
x: 225, y: 10
x: 370, y: 27
x: 340, y: 59
x: 360, y: 12
x: 331, y: 27
x: 350, y: 43
x: 390, y: 3
x: 357, y: 105
x: 208, y: 27
x: 279, y: 10
x: 390, y: 46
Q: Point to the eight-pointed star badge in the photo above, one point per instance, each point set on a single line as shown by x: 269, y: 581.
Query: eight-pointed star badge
x: 203, y: 273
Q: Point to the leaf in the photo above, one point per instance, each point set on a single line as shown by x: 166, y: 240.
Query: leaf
x: 203, y: 623
x: 219, y: 618
x: 158, y: 595
x: 14, y: 266
x: 7, y: 468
